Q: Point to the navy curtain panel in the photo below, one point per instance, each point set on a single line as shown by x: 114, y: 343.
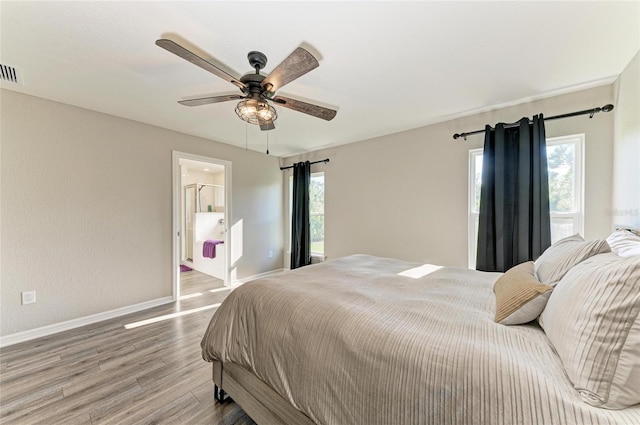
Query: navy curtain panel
x: 300, y: 230
x: 514, y: 224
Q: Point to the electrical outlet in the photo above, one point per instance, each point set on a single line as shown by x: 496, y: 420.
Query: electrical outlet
x: 270, y: 254
x: 28, y: 297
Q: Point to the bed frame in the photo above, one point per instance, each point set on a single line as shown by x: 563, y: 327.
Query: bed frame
x: 257, y: 399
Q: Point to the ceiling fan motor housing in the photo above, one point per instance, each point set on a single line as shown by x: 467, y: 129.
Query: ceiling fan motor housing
x: 253, y: 83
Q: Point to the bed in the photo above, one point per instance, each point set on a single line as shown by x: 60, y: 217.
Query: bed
x: 369, y: 340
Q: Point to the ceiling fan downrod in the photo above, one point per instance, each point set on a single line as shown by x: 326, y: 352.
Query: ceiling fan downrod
x: 257, y: 60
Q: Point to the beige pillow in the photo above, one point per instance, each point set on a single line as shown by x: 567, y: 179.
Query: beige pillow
x: 624, y: 243
x: 564, y: 254
x: 593, y: 323
x: 520, y: 298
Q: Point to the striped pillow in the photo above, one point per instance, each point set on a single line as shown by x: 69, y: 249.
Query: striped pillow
x: 520, y: 298
x: 592, y: 321
x: 564, y: 254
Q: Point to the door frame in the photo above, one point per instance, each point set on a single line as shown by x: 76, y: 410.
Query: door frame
x: 176, y: 216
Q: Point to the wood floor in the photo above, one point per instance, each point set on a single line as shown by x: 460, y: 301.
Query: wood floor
x: 106, y: 374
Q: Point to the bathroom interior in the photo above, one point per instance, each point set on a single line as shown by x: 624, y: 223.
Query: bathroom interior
x: 203, y: 220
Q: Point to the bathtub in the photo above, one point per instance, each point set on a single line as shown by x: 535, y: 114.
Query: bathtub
x: 209, y: 226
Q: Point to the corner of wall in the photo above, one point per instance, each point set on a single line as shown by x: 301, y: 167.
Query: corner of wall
x: 626, y: 147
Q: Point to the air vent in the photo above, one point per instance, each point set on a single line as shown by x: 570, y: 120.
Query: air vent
x: 10, y: 74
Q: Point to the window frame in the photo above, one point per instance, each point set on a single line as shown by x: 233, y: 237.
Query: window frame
x: 577, y: 215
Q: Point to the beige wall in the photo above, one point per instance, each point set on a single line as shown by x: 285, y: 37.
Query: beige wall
x: 86, y: 210
x: 626, y: 189
x: 405, y: 195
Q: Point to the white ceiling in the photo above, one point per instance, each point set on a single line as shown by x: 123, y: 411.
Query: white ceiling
x: 385, y: 66
x: 201, y: 167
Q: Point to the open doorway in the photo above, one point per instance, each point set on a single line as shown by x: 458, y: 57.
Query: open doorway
x: 201, y: 205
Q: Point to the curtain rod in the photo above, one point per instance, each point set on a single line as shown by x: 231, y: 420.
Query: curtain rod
x: 591, y: 112
x: 315, y: 162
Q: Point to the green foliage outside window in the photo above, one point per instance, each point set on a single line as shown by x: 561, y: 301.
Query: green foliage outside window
x: 561, y: 160
x: 316, y: 212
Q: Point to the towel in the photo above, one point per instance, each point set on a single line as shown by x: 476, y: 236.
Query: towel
x: 209, y: 248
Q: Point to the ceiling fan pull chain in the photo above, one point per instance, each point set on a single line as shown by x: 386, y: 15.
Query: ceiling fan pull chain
x: 267, y: 143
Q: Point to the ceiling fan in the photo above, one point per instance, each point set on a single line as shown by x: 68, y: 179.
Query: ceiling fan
x: 257, y: 90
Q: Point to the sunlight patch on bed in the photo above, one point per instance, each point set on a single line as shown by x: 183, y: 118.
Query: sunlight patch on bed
x: 421, y: 271
x: 169, y: 316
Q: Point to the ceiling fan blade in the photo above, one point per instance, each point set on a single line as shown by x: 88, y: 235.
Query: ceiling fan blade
x: 185, y: 54
x: 208, y: 100
x: 296, y: 64
x: 307, y: 108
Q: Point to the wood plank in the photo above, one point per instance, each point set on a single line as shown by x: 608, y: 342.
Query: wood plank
x: 13, y: 410
x: 30, y: 365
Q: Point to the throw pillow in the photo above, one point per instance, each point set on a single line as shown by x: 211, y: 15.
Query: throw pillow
x: 520, y: 297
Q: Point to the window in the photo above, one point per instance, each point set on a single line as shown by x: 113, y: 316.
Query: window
x: 316, y: 212
x: 565, y: 164
x: 475, y: 179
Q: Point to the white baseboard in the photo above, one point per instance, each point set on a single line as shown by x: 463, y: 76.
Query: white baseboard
x: 81, y: 321
x: 254, y: 277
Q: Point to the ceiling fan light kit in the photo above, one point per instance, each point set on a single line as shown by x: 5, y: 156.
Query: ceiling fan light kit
x: 256, y: 111
x: 257, y: 89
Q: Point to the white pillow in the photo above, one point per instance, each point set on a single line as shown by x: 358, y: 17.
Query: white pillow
x: 624, y: 243
x: 558, y: 259
x: 592, y: 319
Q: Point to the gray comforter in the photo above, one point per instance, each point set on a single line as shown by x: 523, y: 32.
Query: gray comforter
x: 350, y: 341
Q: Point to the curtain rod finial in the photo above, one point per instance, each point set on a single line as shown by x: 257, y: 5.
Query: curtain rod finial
x: 607, y: 108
